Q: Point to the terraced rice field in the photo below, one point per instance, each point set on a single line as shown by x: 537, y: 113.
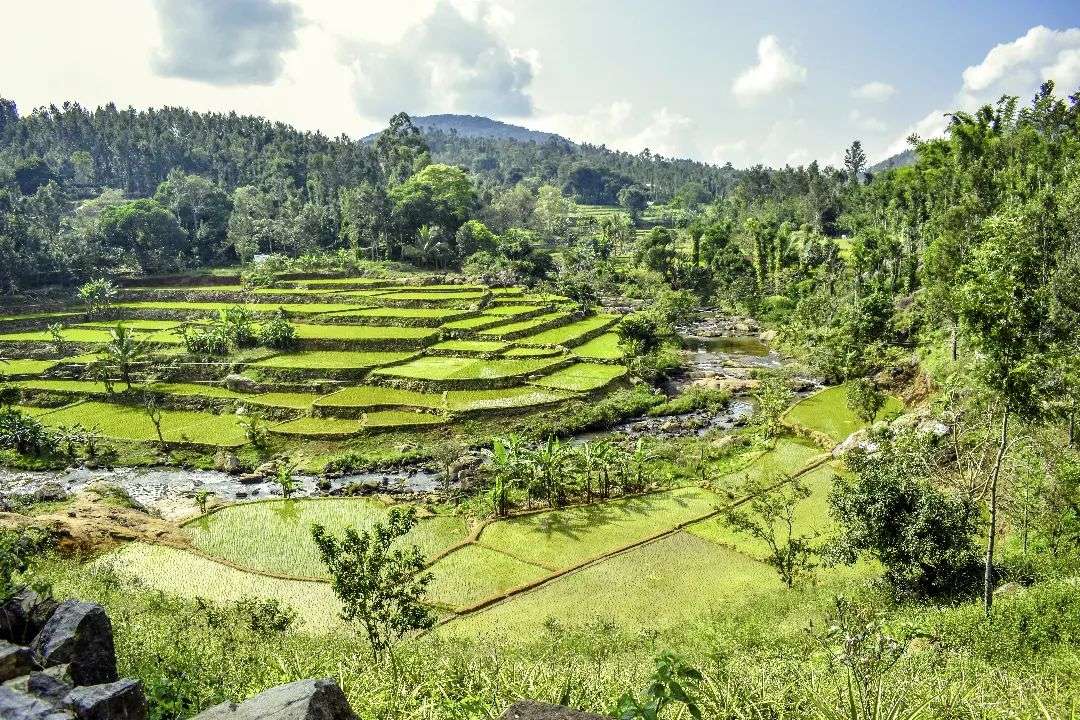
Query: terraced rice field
x: 603, y: 347
x: 827, y: 412
x: 333, y: 360
x: 582, y: 377
x: 568, y: 334
x: 275, y: 537
x: 122, y: 422
x: 438, y: 368
x: 509, y: 330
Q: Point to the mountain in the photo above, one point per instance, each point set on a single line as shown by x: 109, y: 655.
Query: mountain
x: 901, y: 159
x: 476, y: 126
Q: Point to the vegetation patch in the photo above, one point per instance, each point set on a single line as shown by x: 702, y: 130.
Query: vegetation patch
x: 517, y: 329
x: 376, y: 396
x: 184, y: 574
x: 564, y: 538
x: 437, y: 368
x: 275, y: 536
x: 469, y: 346
x: 582, y: 377
x: 479, y: 322
x: 346, y: 427
x: 333, y: 360
x: 474, y: 573
x: 121, y: 422
x: 602, y: 347
x: 827, y: 412
x: 12, y: 368
x: 567, y: 334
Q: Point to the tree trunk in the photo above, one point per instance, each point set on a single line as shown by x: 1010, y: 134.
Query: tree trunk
x: 1072, y: 428
x: 954, y: 341
x: 988, y: 576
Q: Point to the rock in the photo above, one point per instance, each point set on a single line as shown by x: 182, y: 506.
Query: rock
x: 80, y: 634
x: 15, y: 660
x: 1009, y: 588
x: 50, y: 491
x: 531, y: 710
x: 250, y: 479
x: 226, y: 461
x: 121, y: 700
x: 24, y: 615
x: 266, y: 469
x: 18, y: 705
x: 317, y: 699
x: 240, y: 383
x: 50, y: 685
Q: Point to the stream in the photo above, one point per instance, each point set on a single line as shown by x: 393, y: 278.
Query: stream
x: 710, y: 360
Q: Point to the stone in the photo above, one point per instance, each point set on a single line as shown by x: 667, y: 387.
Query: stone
x: 80, y: 634
x: 120, y: 700
x: 240, y: 383
x: 315, y: 699
x: 227, y: 462
x: 266, y: 469
x: 18, y: 705
x: 24, y: 615
x: 531, y: 710
x: 15, y: 660
x: 50, y: 491
x: 52, y: 684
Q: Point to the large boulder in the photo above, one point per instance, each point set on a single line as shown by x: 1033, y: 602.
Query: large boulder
x: 14, y: 661
x: 24, y: 615
x: 531, y: 710
x: 79, y: 634
x: 316, y: 699
x: 121, y: 700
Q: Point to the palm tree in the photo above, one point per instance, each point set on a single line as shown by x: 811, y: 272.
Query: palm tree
x: 603, y: 452
x: 588, y: 461
x: 430, y: 246
x: 125, y: 350
x: 549, y: 459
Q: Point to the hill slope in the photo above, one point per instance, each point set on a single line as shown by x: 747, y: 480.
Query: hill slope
x: 476, y: 126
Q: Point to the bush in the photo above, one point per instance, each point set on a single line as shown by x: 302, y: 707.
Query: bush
x: 24, y: 433
x: 17, y: 549
x: 278, y: 333
x: 206, y: 341
x: 693, y: 398
x: 238, y: 325
x: 864, y: 399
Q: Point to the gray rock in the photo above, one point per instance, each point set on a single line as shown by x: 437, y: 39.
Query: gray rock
x: 24, y: 615
x: 15, y: 660
x: 121, y: 700
x: 316, y: 699
x: 52, y: 684
x: 17, y: 705
x: 241, y: 384
x: 50, y: 491
x: 80, y: 634
x: 226, y: 461
x: 530, y: 710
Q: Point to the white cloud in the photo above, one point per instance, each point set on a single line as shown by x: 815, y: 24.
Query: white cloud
x: 775, y: 70
x: 448, y: 62
x: 732, y: 152
x: 875, y: 91
x: 622, y: 127
x: 866, y: 123
x: 1013, y: 68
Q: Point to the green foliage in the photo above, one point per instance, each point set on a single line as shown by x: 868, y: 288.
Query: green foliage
x: 380, y: 588
x: 23, y: 433
x: 771, y: 399
x: 278, y: 333
x: 18, y: 548
x: 864, y: 399
x: 889, y: 509
x: 98, y: 296
x: 673, y: 682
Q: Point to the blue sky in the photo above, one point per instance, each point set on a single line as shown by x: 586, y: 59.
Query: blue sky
x: 746, y: 82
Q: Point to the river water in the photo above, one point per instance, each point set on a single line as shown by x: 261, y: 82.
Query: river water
x: 170, y: 490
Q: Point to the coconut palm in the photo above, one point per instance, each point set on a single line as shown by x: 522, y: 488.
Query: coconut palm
x: 430, y: 246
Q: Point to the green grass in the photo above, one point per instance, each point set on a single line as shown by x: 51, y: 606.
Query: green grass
x: 78, y: 387
x: 132, y: 324
x: 316, y: 426
x: 370, y: 396
x: 470, y: 346
x: 568, y: 333
x: 75, y: 335
x: 291, y: 400
x: 533, y: 352
x: 26, y: 367
x: 473, y: 573
x: 362, y: 332
x: 564, y: 538
x: 299, y: 401
x: 812, y: 516
x: 827, y: 412
x: 582, y: 377
x: 659, y: 586
x: 121, y: 422
x: 276, y: 536
x: 457, y: 368
x: 603, y: 347
x: 508, y: 310
x: 479, y: 322
x: 184, y: 574
x: 333, y: 360
x: 434, y: 296
x: 404, y: 313
x: 524, y: 325
x: 214, y: 307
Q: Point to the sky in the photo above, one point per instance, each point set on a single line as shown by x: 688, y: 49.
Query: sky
x: 742, y: 82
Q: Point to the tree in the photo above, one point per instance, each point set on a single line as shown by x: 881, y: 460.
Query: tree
x: 551, y: 219
x: 437, y: 195
x: 770, y: 518
x: 147, y: 230
x: 634, y: 200
x: 855, y: 161
x: 380, y: 587
x: 252, y: 212
x: 125, y: 351
x: 365, y: 214
x: 401, y: 149
x: 864, y: 399
x: 429, y: 247
x: 771, y: 398
x: 889, y: 508
x: 97, y: 296
x: 202, y: 209
x: 474, y: 237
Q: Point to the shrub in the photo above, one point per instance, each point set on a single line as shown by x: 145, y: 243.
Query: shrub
x: 206, y: 341
x: 97, y: 296
x: 693, y: 398
x: 23, y: 433
x: 239, y: 326
x: 864, y: 399
x: 17, y: 549
x: 278, y: 333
